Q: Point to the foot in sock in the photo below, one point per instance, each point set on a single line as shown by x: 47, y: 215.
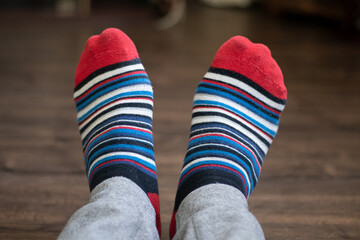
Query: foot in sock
x: 114, y: 102
x: 236, y: 114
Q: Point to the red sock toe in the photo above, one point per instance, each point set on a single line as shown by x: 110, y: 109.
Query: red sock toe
x: 110, y: 47
x: 254, y: 61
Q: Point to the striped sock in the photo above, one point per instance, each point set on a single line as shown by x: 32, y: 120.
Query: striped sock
x: 236, y: 114
x: 114, y: 101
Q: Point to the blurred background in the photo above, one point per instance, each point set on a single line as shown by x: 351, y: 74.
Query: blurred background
x: 309, y: 185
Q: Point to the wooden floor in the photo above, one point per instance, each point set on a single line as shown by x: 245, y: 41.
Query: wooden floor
x: 310, y: 184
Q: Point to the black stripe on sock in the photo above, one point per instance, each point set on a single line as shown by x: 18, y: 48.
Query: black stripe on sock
x: 101, y: 88
x: 205, y: 177
x: 106, y: 69
x: 210, y: 114
x: 197, y: 129
x: 118, y: 99
x: 117, y: 142
x: 248, y: 81
x: 241, y: 160
x: 144, y: 181
x: 117, y: 120
x: 119, y: 106
x: 237, y: 95
x: 235, y: 134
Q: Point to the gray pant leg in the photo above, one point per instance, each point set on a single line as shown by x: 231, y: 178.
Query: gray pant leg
x: 216, y: 211
x: 117, y: 209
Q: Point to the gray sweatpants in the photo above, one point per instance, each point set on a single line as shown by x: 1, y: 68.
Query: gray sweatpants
x: 119, y: 209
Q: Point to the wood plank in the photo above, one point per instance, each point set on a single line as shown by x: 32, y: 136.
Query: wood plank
x: 309, y: 186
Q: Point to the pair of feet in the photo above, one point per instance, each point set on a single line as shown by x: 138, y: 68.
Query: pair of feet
x: 236, y: 113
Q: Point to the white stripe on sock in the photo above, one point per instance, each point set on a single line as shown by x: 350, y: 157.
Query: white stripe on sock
x: 142, y: 157
x: 213, y: 159
x: 249, y: 145
x: 106, y: 75
x: 105, y: 128
x: 246, y: 88
x: 251, y: 126
x: 233, y: 149
x: 119, y: 138
x: 218, y: 119
x: 143, y: 87
x: 112, y: 105
x: 126, y: 110
x: 250, y: 114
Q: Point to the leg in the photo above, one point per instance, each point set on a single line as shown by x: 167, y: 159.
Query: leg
x: 117, y: 209
x: 236, y: 114
x: 114, y: 102
x: 216, y: 211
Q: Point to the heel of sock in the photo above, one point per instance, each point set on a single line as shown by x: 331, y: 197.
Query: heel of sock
x: 154, y: 199
x: 172, y: 230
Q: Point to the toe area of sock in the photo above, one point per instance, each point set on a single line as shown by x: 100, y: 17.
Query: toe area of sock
x: 254, y: 61
x: 110, y: 47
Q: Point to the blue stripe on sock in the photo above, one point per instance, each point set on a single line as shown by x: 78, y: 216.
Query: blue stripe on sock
x: 234, y: 110
x: 241, y: 96
x: 213, y: 162
x: 244, y: 139
x: 114, y: 119
x: 99, y: 94
x: 121, y: 147
x: 240, y: 102
x: 108, y: 165
x: 120, y: 133
x: 231, y: 157
x: 152, y: 167
x: 220, y: 140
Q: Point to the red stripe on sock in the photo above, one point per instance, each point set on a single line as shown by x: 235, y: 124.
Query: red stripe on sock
x: 106, y: 81
x: 172, y: 230
x: 119, y: 100
x: 232, y: 139
x: 245, y: 94
x: 238, y: 117
x: 154, y: 199
x: 113, y: 128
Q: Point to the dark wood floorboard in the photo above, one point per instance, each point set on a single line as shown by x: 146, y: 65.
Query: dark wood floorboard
x: 309, y: 187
